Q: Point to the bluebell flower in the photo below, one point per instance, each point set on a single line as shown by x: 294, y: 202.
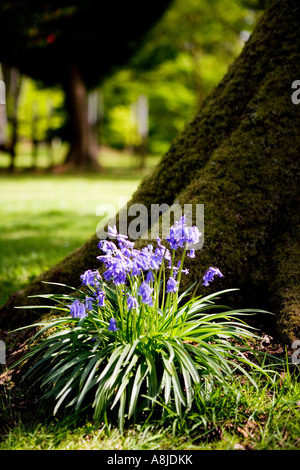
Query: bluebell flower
x: 90, y: 278
x: 176, y: 269
x: 172, y: 285
x: 89, y: 303
x: 191, y: 253
x: 145, y: 292
x: 117, y: 268
x: 77, y: 309
x: 149, y: 277
x: 136, y: 269
x: 210, y: 274
x: 101, y: 299
x: 180, y: 234
x: 141, y: 261
x: 172, y: 241
x: 126, y: 247
x: 155, y: 262
x: 161, y: 252
x: 107, y: 246
x: 112, y: 325
x: 113, y: 233
x: 132, y: 302
x: 193, y: 235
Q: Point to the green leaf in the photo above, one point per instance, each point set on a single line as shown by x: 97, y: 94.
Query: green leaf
x: 138, y: 380
x: 124, y: 358
x: 187, y: 361
x: 125, y: 380
x: 152, y: 383
x: 167, y: 385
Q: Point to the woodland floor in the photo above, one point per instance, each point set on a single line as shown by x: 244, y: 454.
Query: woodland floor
x: 43, y: 218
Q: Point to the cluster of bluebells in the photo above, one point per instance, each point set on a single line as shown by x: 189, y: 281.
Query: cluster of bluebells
x: 91, y: 279
x: 182, y: 235
x: 123, y: 259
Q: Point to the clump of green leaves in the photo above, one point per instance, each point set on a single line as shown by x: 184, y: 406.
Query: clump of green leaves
x: 128, y: 342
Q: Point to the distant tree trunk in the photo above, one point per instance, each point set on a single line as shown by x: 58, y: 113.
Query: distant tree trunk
x: 13, y: 81
x: 34, y: 136
x: 143, y: 129
x: 3, y: 116
x: 240, y: 158
x: 196, y: 55
x: 83, y: 151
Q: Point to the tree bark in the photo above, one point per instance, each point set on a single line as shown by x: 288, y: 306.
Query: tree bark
x: 240, y: 158
x: 83, y: 152
x: 13, y: 81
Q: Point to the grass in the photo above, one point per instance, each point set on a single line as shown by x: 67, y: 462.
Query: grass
x: 112, y: 160
x: 237, y: 418
x: 43, y: 218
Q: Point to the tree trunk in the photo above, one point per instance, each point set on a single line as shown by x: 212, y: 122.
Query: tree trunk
x: 83, y: 152
x: 240, y: 158
x: 13, y: 81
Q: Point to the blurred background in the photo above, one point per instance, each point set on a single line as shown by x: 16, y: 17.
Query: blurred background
x: 136, y: 79
x: 136, y: 110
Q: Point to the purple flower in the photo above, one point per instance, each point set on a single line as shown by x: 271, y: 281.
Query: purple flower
x: 89, y: 303
x: 176, y: 269
x: 141, y: 261
x: 180, y: 234
x: 144, y: 259
x: 150, y: 276
x: 136, y: 270
x: 90, y: 278
x: 77, y: 309
x: 161, y: 252
x: 172, y: 241
x: 126, y: 247
x: 209, y: 275
x: 191, y: 253
x: 172, y: 285
x: 132, y: 302
x: 193, y: 235
x: 113, y: 233
x: 117, y: 268
x: 112, y: 325
x: 107, y: 247
x: 101, y: 299
x: 145, y: 292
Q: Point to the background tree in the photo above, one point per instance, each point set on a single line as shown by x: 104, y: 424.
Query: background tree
x: 75, y: 44
x: 9, y: 112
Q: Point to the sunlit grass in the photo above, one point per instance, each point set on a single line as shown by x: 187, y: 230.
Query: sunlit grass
x: 111, y: 160
x: 237, y: 418
x: 44, y: 217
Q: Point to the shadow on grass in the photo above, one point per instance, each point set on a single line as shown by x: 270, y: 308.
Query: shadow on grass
x: 28, y: 248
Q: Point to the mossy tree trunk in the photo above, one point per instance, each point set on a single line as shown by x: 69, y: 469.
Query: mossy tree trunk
x: 240, y: 158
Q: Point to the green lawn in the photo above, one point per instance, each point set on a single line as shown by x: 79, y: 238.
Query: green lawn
x: 45, y: 217
x: 237, y: 418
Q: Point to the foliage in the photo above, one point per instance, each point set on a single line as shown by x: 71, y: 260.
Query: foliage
x: 40, y: 111
x: 45, y: 39
x: 181, y: 59
x: 176, y: 65
x: 128, y: 340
